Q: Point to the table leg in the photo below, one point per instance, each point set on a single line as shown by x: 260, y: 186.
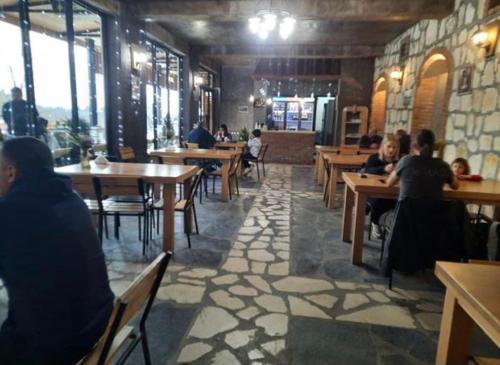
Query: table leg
x: 347, y: 217
x: 225, y: 181
x: 316, y: 168
x: 455, y: 334
x: 168, y: 217
x: 358, y: 229
x: 332, y: 194
x: 188, y: 225
x: 321, y: 169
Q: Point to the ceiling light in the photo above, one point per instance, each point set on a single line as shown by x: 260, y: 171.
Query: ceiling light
x: 251, y: 98
x: 269, y: 101
x: 480, y: 39
x: 266, y: 22
x: 269, y: 21
x: 254, y: 24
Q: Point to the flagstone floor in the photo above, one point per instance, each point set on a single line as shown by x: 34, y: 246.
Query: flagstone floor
x: 269, y: 281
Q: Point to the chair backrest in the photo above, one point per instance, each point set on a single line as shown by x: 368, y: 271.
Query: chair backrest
x: 194, y: 187
x: 349, y: 151
x: 262, y: 152
x: 127, y: 154
x: 84, y: 185
x: 235, y: 164
x: 108, y: 186
x: 141, y: 293
x: 192, y: 145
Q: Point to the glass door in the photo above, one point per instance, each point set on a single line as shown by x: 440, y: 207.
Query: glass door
x: 292, y: 115
x: 279, y: 108
x: 306, y: 115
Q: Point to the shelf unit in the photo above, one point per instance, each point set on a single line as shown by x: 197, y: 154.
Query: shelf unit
x: 354, y: 124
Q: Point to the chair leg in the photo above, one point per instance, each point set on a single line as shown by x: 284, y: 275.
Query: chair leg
x: 139, y: 227
x: 237, y: 187
x: 106, y: 226
x: 117, y: 226
x: 99, y: 227
x: 258, y: 172
x: 390, y: 280
x: 158, y: 220
x: 145, y: 348
x: 263, y: 168
x: 382, y: 248
x: 195, y: 220
x: 370, y: 231
x: 145, y: 235
x: 230, y: 194
x: 213, y: 185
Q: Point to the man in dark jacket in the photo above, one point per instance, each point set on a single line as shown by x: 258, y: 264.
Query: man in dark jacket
x: 51, y: 262
x: 16, y: 114
x: 201, y: 136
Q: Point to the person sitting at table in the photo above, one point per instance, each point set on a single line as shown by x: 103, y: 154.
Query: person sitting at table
x: 421, y: 176
x: 382, y: 163
x: 460, y: 167
x: 201, y: 136
x: 371, y: 140
x: 404, y: 142
x: 51, y: 262
x: 223, y: 134
x: 253, y: 148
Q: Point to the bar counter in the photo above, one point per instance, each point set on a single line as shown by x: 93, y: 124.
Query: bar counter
x: 293, y: 147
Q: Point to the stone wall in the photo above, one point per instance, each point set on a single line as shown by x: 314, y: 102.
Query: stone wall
x: 473, y: 119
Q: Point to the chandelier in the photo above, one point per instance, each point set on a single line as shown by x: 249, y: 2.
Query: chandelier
x: 266, y: 21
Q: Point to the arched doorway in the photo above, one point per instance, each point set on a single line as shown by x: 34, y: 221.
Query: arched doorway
x: 379, y: 100
x: 433, y: 93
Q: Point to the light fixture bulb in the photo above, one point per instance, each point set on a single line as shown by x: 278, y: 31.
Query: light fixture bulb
x: 329, y: 94
x: 254, y: 24
x: 198, y: 80
x: 396, y: 74
x: 263, y: 33
x: 269, y: 101
x: 269, y: 21
x: 312, y: 95
x: 251, y: 98
x: 480, y: 39
x: 140, y: 57
x: 296, y: 96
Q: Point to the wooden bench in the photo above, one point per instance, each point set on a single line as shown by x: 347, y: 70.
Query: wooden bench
x: 141, y: 293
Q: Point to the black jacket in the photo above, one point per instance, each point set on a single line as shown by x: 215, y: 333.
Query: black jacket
x: 375, y: 165
x: 52, y: 265
x: 202, y: 137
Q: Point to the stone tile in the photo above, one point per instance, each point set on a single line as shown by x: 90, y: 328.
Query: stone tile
x: 255, y: 355
x: 250, y: 230
x: 234, y: 264
x: 258, y: 267
x: 249, y: 222
x: 265, y: 238
x: 274, y: 347
x: 258, y: 244
x: 248, y: 313
x: 261, y: 255
x: 430, y: 307
x: 224, y: 357
x: 245, y: 291
x: 281, y: 246
x: 430, y: 321
x: 181, y: 293
x: 254, y: 212
x: 268, y: 231
x: 386, y: 315
x: 193, y: 352
x: 198, y: 273
x: 378, y: 297
x: 351, y: 286
x: 224, y: 299
x: 296, y: 284
x: 279, y: 269
x: 236, y: 253
x: 259, y: 283
x: 271, y: 303
x: 237, y: 339
x: 191, y: 281
x: 225, y: 279
x: 211, y: 321
x: 299, y: 307
x: 175, y: 268
x: 354, y: 300
x: 274, y: 324
x: 245, y: 239
x: 324, y: 300
x: 285, y: 255
x: 239, y: 246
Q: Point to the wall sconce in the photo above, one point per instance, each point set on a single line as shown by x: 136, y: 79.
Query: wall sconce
x: 251, y: 98
x: 269, y: 101
x: 397, y: 75
x: 198, y: 80
x: 487, y: 38
x: 140, y: 59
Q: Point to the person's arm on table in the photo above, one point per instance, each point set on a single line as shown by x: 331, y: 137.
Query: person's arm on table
x: 392, y: 179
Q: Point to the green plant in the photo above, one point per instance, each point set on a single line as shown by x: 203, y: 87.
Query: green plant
x: 243, y: 135
x: 170, y: 133
x: 66, y: 124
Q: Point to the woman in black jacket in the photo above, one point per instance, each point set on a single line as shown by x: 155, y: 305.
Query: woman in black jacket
x: 382, y: 163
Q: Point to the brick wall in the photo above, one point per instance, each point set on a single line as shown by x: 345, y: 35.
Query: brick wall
x: 289, y: 147
x: 472, y: 121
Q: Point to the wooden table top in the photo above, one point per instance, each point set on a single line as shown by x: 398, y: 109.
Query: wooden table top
x: 477, y: 288
x: 165, y: 174
x: 346, y: 160
x: 339, y: 149
x: 194, y: 153
x: 486, y: 191
x: 231, y: 144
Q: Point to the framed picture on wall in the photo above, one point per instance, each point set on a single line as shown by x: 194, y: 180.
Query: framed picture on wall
x: 259, y: 103
x: 243, y: 108
x: 465, y: 80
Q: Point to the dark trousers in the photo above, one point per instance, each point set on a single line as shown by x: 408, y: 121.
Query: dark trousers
x: 247, y: 156
x: 379, y: 207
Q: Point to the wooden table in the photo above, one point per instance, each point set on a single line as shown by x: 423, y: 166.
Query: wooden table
x: 167, y: 175
x: 337, y: 162
x: 319, y: 170
x: 358, y: 190
x: 235, y: 146
x: 224, y: 156
x: 472, y: 296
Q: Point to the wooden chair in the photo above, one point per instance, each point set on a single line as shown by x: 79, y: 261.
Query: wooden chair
x: 190, y: 145
x: 326, y: 166
x: 233, y: 175
x: 141, y: 293
x: 185, y: 205
x: 108, y: 187
x: 127, y: 154
x: 260, y: 158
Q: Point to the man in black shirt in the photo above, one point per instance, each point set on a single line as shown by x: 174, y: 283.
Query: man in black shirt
x: 371, y: 140
x: 51, y: 262
x: 201, y: 136
x: 16, y: 113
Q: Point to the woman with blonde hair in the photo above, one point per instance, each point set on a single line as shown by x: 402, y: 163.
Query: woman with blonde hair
x: 381, y: 163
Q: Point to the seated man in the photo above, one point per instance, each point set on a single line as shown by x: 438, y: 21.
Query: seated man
x: 51, y: 262
x: 371, y: 140
x: 201, y: 136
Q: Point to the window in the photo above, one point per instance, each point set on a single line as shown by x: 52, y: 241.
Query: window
x: 89, y: 71
x: 11, y: 61
x: 174, y: 94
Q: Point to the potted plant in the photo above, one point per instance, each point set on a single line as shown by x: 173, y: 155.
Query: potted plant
x: 243, y: 135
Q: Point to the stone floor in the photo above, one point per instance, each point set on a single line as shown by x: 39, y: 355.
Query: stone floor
x: 269, y: 281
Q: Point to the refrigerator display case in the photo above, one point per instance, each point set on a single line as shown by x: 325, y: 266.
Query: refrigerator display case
x: 293, y: 114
